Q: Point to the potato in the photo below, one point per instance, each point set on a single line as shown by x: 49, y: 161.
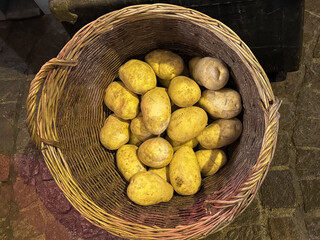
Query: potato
x: 128, y: 162
x: 121, y: 101
x: 134, y: 140
x: 192, y: 63
x: 211, y: 73
x: 220, y: 133
x: 165, y: 83
x: 156, y: 110
x: 184, y: 92
x: 162, y: 172
x: 210, y: 161
x: 176, y: 145
x: 114, y: 133
x: 165, y: 64
x: 224, y: 103
x: 155, y: 152
x: 148, y: 188
x: 184, y: 172
x: 187, y: 123
x: 137, y: 76
x: 139, y: 129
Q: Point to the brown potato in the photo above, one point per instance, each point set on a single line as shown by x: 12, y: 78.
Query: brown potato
x: 128, y: 162
x: 147, y: 188
x: 184, y: 92
x: 165, y: 64
x: 187, y: 123
x: 114, y: 133
x: 210, y: 161
x: 162, y: 172
x: 155, y: 152
x: 224, y: 103
x: 184, y: 171
x: 139, y: 129
x: 211, y: 73
x: 121, y: 101
x: 220, y: 133
x: 192, y: 64
x: 156, y: 110
x: 137, y: 76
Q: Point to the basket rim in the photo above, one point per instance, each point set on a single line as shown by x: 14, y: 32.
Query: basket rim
x: 230, y: 206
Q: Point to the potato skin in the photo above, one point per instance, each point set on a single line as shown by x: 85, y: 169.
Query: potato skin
x: 165, y: 64
x: 139, y: 129
x: 184, y: 92
x: 166, y: 83
x: 220, y: 133
x: 137, y: 76
x: 121, y: 101
x: 192, y: 64
x: 147, y: 188
x: 128, y: 162
x: 134, y: 140
x: 187, y: 123
x: 156, y: 110
x: 155, y: 152
x: 210, y: 161
x: 211, y: 73
x: 176, y: 145
x: 114, y: 133
x: 184, y: 172
x: 162, y: 172
x: 224, y: 103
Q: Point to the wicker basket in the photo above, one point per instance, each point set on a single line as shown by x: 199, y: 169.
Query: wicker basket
x: 66, y: 121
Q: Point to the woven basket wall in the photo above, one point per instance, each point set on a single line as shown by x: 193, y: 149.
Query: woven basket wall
x: 66, y: 120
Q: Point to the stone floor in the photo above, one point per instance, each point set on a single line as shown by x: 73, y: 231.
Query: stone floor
x: 31, y: 207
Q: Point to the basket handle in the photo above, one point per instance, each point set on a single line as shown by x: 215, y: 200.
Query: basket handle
x: 35, y: 86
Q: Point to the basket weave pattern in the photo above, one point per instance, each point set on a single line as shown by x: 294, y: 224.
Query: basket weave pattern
x: 66, y: 126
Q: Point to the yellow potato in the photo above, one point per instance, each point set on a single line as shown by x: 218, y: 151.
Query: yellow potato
x: 165, y: 64
x: 224, y: 103
x: 187, y: 123
x: 220, y: 133
x: 121, y: 101
x: 134, y: 140
x: 166, y: 82
x: 162, y: 172
x: 156, y: 110
x: 155, y: 152
x: 148, y: 188
x: 184, y: 92
x: 176, y: 145
x: 192, y: 63
x: 210, y: 161
x: 114, y: 133
x: 184, y: 172
x: 211, y: 73
x: 139, y: 129
x: 128, y: 162
x: 138, y: 76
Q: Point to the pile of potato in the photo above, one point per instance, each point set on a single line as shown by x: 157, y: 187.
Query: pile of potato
x: 156, y: 128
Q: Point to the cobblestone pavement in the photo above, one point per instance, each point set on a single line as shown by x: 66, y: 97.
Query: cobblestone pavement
x: 286, y: 208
